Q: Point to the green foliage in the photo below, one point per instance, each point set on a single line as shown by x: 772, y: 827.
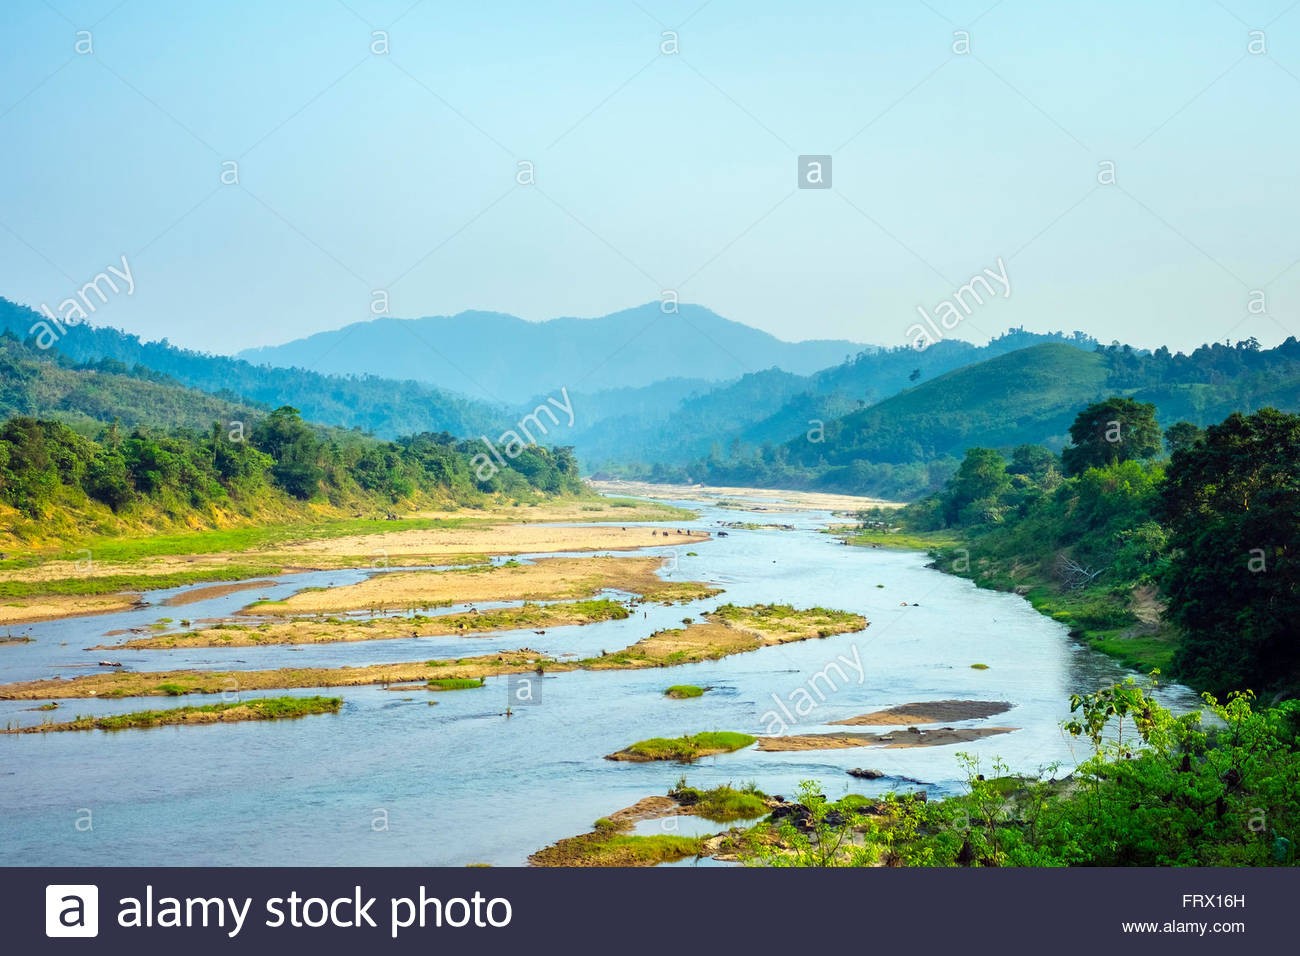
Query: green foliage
x: 295, y: 451
x: 878, y: 436
x: 972, y: 494
x: 1109, y: 432
x: 722, y: 804
x: 455, y: 683
x: 96, y: 373
x: 1181, y: 436
x: 42, y: 463
x: 686, y: 749
x: 819, y: 833
x: 1157, y: 790
x: 1231, y: 503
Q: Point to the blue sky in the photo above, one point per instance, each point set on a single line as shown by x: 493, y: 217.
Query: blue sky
x: 362, y: 171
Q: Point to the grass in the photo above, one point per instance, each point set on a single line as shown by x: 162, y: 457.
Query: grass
x: 112, y: 583
x: 252, y: 537
x: 263, y: 708
x: 454, y: 683
x: 174, y: 683
x: 722, y: 804
x: 1134, y: 646
x: 779, y: 619
x: 683, y: 691
x: 684, y: 749
x: 610, y: 845
x: 899, y: 540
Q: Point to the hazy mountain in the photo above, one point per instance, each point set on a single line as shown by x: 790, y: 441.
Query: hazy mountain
x: 502, y: 358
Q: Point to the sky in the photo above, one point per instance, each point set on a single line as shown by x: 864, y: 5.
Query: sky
x: 379, y: 147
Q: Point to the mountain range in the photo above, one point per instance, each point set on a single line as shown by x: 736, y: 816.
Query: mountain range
x: 890, y: 422
x: 503, y: 359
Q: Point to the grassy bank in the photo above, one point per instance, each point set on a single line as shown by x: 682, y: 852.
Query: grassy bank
x: 454, y: 683
x: 265, y: 708
x: 609, y: 845
x: 1119, y: 619
x: 125, y: 565
x: 683, y: 749
x: 729, y: 630
x: 722, y: 804
x: 1171, y: 791
x: 896, y: 539
x: 546, y: 579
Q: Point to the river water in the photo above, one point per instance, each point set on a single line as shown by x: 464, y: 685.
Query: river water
x: 391, y: 780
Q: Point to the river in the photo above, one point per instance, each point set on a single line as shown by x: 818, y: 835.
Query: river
x: 391, y: 780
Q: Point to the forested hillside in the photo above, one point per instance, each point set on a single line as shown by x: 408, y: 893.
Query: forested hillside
x: 55, y: 482
x: 97, y: 444
x: 1185, y: 562
x: 775, y: 406
x: 386, y: 407
x: 87, y: 395
x: 910, y: 443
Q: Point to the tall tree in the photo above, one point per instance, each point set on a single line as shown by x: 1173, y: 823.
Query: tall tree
x: 973, y: 492
x: 1232, y: 504
x: 1181, y: 435
x: 295, y: 448
x: 1110, y: 431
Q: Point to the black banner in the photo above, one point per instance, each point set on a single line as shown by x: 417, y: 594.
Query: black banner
x: 263, y: 910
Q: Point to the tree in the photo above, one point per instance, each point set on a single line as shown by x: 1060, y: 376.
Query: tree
x: 980, y: 480
x: 1232, y: 505
x: 294, y: 446
x: 1032, y: 461
x: 1108, y: 432
x: 1181, y: 435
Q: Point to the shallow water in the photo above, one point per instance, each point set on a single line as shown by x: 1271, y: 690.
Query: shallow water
x: 392, y: 780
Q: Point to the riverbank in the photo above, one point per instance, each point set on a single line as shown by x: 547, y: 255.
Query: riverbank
x: 610, y: 842
x: 1134, y: 633
x: 102, y: 574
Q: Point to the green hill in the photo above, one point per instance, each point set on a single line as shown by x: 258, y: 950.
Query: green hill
x: 45, y: 384
x: 774, y: 406
x: 1029, y: 395
x: 909, y: 443
x: 386, y: 407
